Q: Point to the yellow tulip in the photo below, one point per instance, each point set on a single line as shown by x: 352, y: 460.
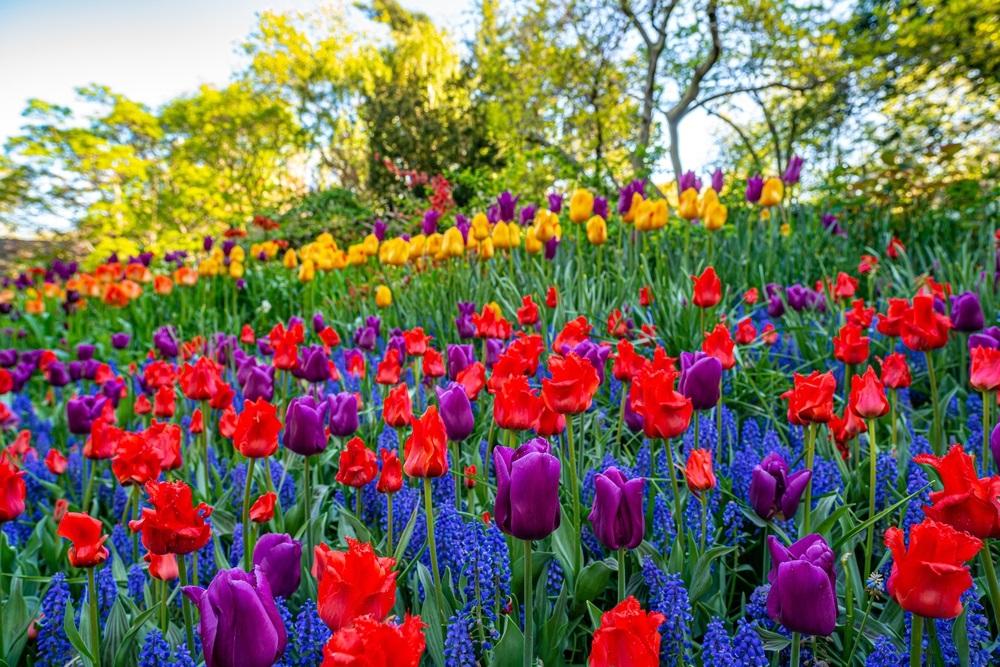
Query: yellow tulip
x: 383, y: 296
x: 515, y: 235
x: 337, y: 259
x: 453, y: 244
x: 480, y: 227
x: 708, y: 198
x: 643, y: 218
x: 597, y: 230
x: 485, y: 249
x: 209, y: 267
x: 715, y: 217
x: 785, y: 229
x: 501, y: 236
x: 495, y: 307
x: 765, y: 214
x: 394, y: 252
x: 772, y: 193
x: 418, y: 246
x: 434, y: 242
x: 326, y: 238
x: 371, y: 244
x: 531, y: 243
x: 660, y: 213
x: 633, y: 208
x: 237, y: 254
x: 355, y: 255
x: 581, y: 205
x: 687, y: 207
x: 546, y: 225
x: 307, y: 271
x: 236, y: 270
x: 290, y: 260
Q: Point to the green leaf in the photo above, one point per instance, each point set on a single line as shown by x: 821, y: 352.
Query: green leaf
x: 404, y: 538
x: 73, y: 635
x: 510, y: 649
x: 593, y: 580
x: 701, y: 578
x: 567, y: 549
x: 124, y: 655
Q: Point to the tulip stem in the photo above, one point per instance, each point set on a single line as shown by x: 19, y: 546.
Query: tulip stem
x: 678, y: 519
x: 388, y: 521
x: 529, y: 632
x: 307, y: 505
x: 457, y: 474
x: 246, y: 515
x: 95, y: 618
x: 185, y: 605
x: 621, y: 574
x: 935, y: 406
x: 704, y: 522
x: 621, y: 416
x: 892, y: 416
x: 90, y: 486
x: 810, y: 454
x: 986, y: 556
x: 986, y: 434
x: 872, y: 454
x: 796, y: 641
x: 278, y: 515
x: 206, y: 411
x: 429, y: 511
x: 574, y: 480
x: 916, y: 639
x: 164, y: 594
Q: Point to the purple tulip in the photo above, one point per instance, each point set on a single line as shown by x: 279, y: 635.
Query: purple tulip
x: 832, y: 224
x: 313, y: 365
x: 995, y: 444
x: 207, y: 243
x: 798, y: 297
x: 365, y: 338
x: 617, y: 513
x: 120, y: 340
x: 494, y: 346
x: 601, y: 207
x: 687, y: 181
x: 279, y: 558
x: 792, y: 171
x: 456, y: 411
x: 775, y: 306
x: 240, y: 624
x: 528, y: 214
x: 463, y: 225
x: 550, y: 248
x: 166, y: 343
x: 701, y: 379
x: 718, y: 180
x: 628, y: 193
x: 506, y: 206
x: 318, y: 321
x: 596, y: 354
x: 379, y: 229
x: 8, y: 358
x: 57, y: 374
x: 555, y: 202
x: 966, y: 312
x: 527, y: 497
x: 259, y: 383
x: 460, y: 357
x: 633, y: 420
x: 82, y: 411
x: 343, y: 413
x: 755, y: 187
x: 397, y: 342
x: 773, y: 492
x: 85, y: 351
x: 803, y: 595
x: 304, y: 420
x: 466, y: 329
x: 429, y: 225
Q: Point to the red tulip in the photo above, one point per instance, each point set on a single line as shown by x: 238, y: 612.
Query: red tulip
x: 12, y: 489
x: 433, y: 363
x: 227, y: 422
x: 257, y: 429
x: 849, y: 346
x: 527, y: 314
x: 262, y: 509
x: 549, y: 422
x: 135, y: 462
x: 572, y: 334
x: 142, y: 405
x: 572, y: 385
x: 200, y: 381
x: 372, y: 643
x: 247, y: 335
x: 285, y: 345
x: 515, y: 406
x: 162, y: 567
x: 665, y: 412
x: 55, y: 462
x: 984, y: 369
x: 845, y: 286
x: 416, y: 341
x: 719, y: 344
x: 163, y: 402
x: 847, y: 427
x: 895, y: 371
x: 627, y: 363
x: 891, y: 323
x: 390, y: 480
x: 472, y: 379
x: 867, y: 397
x: 698, y: 471
x: 491, y: 324
x: 165, y: 440
x: 645, y: 296
x: 627, y: 636
x: 929, y: 577
x: 551, y: 297
x: 860, y: 316
x: 924, y: 328
x: 173, y: 524
x: 352, y: 584
x: 357, y: 464
x: 966, y: 501
x: 707, y: 288
x: 103, y: 440
x: 197, y: 425
x: 746, y: 332
x: 223, y: 397
x: 811, y: 399
x: 84, y: 531
x: 397, y: 410
x: 390, y: 368
x: 426, y: 450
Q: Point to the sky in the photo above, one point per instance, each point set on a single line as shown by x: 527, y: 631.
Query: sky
x: 153, y: 50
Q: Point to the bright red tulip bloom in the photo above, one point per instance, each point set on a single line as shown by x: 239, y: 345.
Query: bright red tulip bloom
x: 570, y: 389
x: 845, y: 286
x: 247, y: 335
x: 357, y: 464
x: 891, y: 323
x: 491, y: 324
x: 847, y: 427
x: 929, y: 577
x: 200, y: 381
x: 162, y: 567
x: 56, y: 462
x: 262, y: 509
x: 549, y: 422
x: 746, y: 332
x: 227, y: 422
x: 389, y: 369
x: 527, y: 314
x: 627, y: 636
x: 103, y: 440
x: 397, y: 411
x: 698, y: 471
x: 165, y: 440
x: 135, y: 461
x: 352, y: 584
x: 645, y: 296
x: 849, y: 346
x: 285, y: 344
x: 197, y: 425
x: 627, y: 362
x: 433, y: 364
x: 84, y: 531
x: 223, y: 397
x: 426, y: 450
x: 895, y: 371
x: 164, y: 404
x: 811, y: 399
x: 390, y: 479
x: 516, y: 407
x: 719, y: 344
x: 257, y: 430
x: 159, y: 374
x: 173, y: 524
x: 867, y: 397
x: 12, y: 489
x: 372, y: 643
x: 665, y: 412
x: 472, y: 379
x: 416, y: 341
x: 860, y: 316
x: 142, y: 405
x: 751, y: 296
x: 966, y: 501
x: 984, y: 369
x: 707, y: 288
x: 923, y: 328
x: 572, y: 334
x: 551, y: 297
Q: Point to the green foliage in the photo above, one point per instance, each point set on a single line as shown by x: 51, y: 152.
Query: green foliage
x: 335, y: 210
